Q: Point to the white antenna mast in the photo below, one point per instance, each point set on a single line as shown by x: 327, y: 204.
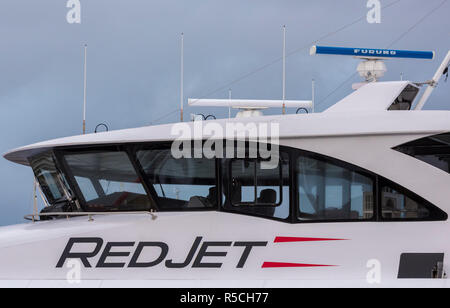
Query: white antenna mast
x: 35, y: 208
x: 313, y: 96
x: 433, y: 82
x: 84, y: 94
x: 182, y: 78
x: 284, y: 69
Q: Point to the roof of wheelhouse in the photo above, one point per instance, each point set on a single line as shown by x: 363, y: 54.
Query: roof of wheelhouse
x: 363, y: 112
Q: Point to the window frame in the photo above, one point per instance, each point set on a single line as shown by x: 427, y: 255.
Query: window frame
x: 339, y: 163
x: 148, y: 146
x: 255, y: 179
x: 292, y: 154
x: 60, y: 155
x: 290, y: 219
x: 60, y: 171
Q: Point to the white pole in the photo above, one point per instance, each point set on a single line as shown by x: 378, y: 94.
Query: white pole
x: 313, y: 94
x: 182, y: 78
x: 35, y: 208
x: 284, y: 69
x: 433, y: 82
x: 229, y: 103
x: 42, y: 196
x: 84, y: 93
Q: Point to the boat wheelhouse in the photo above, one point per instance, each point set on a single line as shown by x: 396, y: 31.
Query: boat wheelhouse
x: 323, y: 174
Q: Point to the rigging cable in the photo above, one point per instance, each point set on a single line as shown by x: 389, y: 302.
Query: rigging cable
x: 417, y: 23
x: 263, y: 67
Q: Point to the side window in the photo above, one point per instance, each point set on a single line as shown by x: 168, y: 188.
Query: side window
x: 185, y: 183
x: 51, y: 181
x: 253, y: 185
x: 401, y: 205
x: 434, y: 150
x: 327, y: 192
x: 252, y: 188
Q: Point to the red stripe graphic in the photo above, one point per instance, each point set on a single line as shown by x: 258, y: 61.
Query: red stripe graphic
x: 286, y: 265
x: 282, y: 239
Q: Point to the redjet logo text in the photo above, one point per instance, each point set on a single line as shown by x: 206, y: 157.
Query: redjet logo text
x: 131, y: 254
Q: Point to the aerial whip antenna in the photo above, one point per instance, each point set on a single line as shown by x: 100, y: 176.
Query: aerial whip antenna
x: 84, y: 92
x: 182, y: 77
x: 284, y: 69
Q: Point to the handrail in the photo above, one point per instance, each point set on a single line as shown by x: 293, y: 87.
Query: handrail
x: 32, y: 217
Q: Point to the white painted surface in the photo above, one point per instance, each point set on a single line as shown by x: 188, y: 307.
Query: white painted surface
x: 26, y: 258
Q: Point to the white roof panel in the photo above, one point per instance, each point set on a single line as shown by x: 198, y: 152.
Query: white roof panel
x: 331, y: 124
x: 374, y: 96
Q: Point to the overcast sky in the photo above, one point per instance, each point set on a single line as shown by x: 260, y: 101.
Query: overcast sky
x: 133, y: 62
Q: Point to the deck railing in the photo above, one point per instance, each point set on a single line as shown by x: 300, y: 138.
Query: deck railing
x: 36, y: 217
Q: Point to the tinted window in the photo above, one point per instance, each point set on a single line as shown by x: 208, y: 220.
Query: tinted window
x: 251, y: 184
x: 400, y: 204
x: 330, y: 192
x: 50, y: 180
x: 251, y: 188
x: 396, y: 205
x: 434, y: 150
x: 185, y: 183
x: 108, y: 181
x: 405, y: 99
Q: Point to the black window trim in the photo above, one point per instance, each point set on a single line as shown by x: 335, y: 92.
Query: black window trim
x: 293, y: 153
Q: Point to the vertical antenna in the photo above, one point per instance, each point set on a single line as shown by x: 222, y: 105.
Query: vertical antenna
x: 84, y: 94
x: 182, y: 78
x: 313, y: 85
x: 284, y: 69
x: 401, y: 76
x: 229, y: 103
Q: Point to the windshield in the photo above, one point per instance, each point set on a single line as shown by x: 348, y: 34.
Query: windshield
x: 108, y: 181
